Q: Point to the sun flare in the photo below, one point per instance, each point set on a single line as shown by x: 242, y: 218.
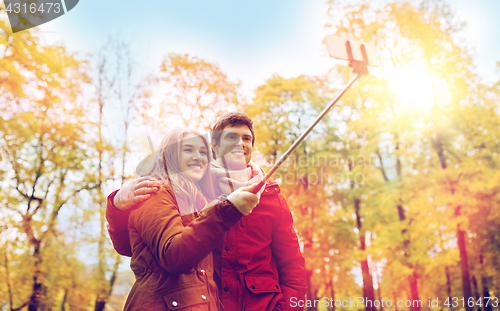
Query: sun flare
x: 413, y: 87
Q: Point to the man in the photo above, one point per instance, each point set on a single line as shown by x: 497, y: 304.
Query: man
x: 258, y: 265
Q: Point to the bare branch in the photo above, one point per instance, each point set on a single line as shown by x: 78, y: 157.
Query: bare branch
x: 55, y: 212
x: 40, y: 204
x: 22, y: 306
x: 382, y: 168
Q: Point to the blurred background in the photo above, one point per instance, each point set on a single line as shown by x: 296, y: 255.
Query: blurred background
x: 395, y: 195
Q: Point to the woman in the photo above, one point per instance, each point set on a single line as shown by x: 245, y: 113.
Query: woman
x: 173, y: 233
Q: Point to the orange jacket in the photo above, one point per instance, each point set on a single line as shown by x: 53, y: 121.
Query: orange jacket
x: 171, y: 254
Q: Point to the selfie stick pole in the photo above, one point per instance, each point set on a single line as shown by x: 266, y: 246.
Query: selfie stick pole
x: 357, y: 55
x: 303, y: 136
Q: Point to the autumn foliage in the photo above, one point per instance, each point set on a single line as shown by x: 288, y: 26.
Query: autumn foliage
x: 395, y: 194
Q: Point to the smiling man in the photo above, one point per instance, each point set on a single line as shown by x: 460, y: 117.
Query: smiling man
x: 232, y: 143
x: 235, y: 143
x: 258, y: 264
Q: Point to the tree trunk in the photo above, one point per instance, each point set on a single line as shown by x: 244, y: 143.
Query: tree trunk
x: 310, y: 295
x: 464, y: 265
x: 448, y: 282
x: 379, y: 292
x: 368, y: 291
x: 103, y: 298
x: 413, y: 278
x: 486, y: 293
x: 332, y: 294
x: 484, y: 283
x: 36, y: 296
x: 379, y: 287
x: 475, y: 288
x: 65, y: 298
x: 100, y: 305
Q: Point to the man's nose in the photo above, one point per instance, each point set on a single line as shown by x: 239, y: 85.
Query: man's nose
x: 240, y: 142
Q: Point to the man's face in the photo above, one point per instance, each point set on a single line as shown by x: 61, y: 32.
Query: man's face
x: 235, y: 146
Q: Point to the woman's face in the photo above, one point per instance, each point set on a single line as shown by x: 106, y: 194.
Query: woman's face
x: 193, y: 159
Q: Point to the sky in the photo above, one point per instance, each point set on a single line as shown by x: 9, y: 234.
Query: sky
x: 250, y: 40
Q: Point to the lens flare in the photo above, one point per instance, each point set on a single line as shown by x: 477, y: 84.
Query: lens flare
x: 413, y: 87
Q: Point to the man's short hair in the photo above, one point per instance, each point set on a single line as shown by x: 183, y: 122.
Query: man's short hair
x: 231, y: 119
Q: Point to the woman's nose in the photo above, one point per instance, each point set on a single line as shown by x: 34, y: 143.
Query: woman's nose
x: 199, y: 157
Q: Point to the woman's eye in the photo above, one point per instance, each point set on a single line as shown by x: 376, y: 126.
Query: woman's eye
x: 187, y: 150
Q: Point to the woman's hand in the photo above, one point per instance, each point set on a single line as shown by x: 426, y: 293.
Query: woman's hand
x: 244, y: 199
x: 135, y: 191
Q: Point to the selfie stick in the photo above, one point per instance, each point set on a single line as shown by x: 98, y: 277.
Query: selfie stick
x: 303, y: 136
x: 357, y: 61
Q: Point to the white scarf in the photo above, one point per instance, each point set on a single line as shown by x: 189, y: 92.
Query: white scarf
x: 230, y: 180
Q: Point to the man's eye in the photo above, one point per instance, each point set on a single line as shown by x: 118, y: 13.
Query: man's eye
x: 247, y: 139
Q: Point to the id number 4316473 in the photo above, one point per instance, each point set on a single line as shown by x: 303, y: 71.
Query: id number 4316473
x: 33, y: 8
x: 471, y: 302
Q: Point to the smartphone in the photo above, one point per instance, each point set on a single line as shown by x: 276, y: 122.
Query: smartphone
x: 352, y: 50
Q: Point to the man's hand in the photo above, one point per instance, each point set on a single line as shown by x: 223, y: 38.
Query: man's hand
x: 244, y: 199
x: 135, y: 191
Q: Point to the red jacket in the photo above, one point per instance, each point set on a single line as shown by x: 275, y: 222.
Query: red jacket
x: 258, y: 264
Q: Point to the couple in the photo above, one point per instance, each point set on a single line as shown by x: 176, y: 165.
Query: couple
x: 191, y: 252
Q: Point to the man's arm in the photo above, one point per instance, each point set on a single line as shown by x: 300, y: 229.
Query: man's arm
x: 117, y: 227
x: 289, y: 259
x: 132, y: 192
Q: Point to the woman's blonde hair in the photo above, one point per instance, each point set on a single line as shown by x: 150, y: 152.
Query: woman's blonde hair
x: 167, y: 168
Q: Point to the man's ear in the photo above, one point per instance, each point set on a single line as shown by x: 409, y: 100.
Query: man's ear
x: 215, y: 149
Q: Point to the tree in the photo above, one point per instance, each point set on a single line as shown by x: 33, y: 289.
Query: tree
x: 118, y: 90
x: 44, y: 148
x: 282, y: 110
x: 356, y: 145
x: 193, y: 90
x: 426, y: 155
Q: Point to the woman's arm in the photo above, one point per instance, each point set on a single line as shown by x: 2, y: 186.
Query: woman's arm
x: 177, y: 248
